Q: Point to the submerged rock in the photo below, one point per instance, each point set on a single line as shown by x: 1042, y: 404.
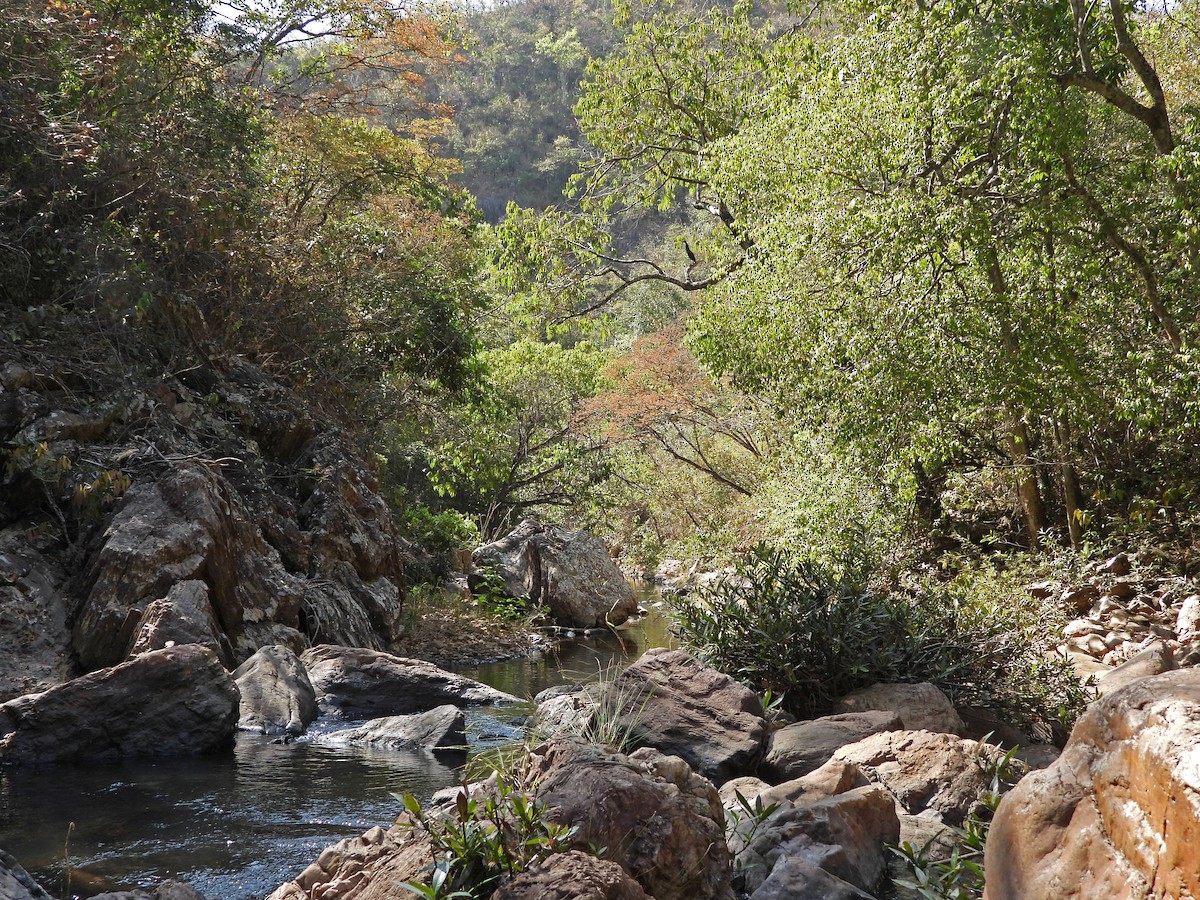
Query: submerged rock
x: 442, y: 729
x: 569, y: 572
x: 276, y: 694
x: 178, y: 701
x: 357, y: 683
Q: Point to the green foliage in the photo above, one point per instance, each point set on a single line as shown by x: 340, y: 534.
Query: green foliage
x: 744, y: 819
x: 491, y: 595
x: 484, y: 840
x: 812, y: 634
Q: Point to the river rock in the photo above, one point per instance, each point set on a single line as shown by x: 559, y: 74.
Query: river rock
x: 441, y: 729
x: 373, y: 866
x: 572, y: 876
x: 184, y: 616
x: 173, y: 702
x: 1119, y: 812
x: 794, y: 876
x: 683, y: 707
x: 657, y: 818
x: 1187, y: 620
x: 919, y: 706
x: 356, y: 683
x: 16, y: 883
x: 837, y: 776
x: 189, y: 525
x: 569, y: 572
x: 926, y: 772
x: 276, y: 693
x: 796, y: 750
x: 35, y: 642
x: 565, y: 714
x: 844, y: 835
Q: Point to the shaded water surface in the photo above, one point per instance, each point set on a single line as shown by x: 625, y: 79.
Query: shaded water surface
x: 238, y: 824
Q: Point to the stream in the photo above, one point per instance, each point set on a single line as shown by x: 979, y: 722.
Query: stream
x: 238, y: 824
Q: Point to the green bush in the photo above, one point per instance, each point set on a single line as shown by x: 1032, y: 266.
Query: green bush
x: 812, y: 634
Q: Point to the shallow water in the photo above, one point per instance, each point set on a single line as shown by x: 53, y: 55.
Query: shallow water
x: 238, y: 824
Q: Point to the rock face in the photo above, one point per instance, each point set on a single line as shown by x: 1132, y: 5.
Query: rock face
x: 798, y: 749
x: 370, y: 867
x: 844, y: 835
x: 35, y: 642
x: 919, y: 706
x: 570, y: 572
x: 926, y: 772
x: 173, y: 702
x: 184, y: 616
x: 276, y: 694
x: 572, y: 876
x: 659, y: 820
x: 187, y: 526
x: 16, y: 883
x: 356, y: 683
x: 1119, y: 813
x: 443, y: 729
x: 684, y: 708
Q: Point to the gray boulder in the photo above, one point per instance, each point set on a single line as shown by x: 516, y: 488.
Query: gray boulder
x: 277, y: 696
x: 35, y: 642
x: 798, y: 749
x: 844, y: 835
x: 794, y: 876
x: 569, y: 572
x: 178, y: 701
x: 356, y: 683
x: 441, y: 729
x: 683, y: 707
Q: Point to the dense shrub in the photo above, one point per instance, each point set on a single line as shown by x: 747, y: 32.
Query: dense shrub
x: 812, y: 634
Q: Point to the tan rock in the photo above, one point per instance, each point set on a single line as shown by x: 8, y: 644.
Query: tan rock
x: 1154, y: 660
x: 373, y: 866
x: 572, y: 876
x: 798, y: 749
x: 1118, y: 815
x: 919, y: 706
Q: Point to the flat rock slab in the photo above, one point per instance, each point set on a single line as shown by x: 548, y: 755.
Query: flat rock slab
x: 442, y: 729
x: 178, y: 701
x: 683, y: 707
x: 798, y: 749
x: 355, y: 683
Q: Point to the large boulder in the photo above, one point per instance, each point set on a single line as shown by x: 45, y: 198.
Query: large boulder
x: 919, y: 706
x: 798, y: 749
x: 173, y: 702
x: 935, y: 774
x: 572, y: 876
x: 276, y: 693
x: 184, y: 616
x: 443, y: 729
x: 344, y: 609
x: 569, y: 572
x: 1118, y: 814
x: 357, y: 683
x: 187, y: 526
x: 682, y: 707
x: 373, y: 866
x: 658, y: 819
x: 16, y: 883
x: 844, y: 835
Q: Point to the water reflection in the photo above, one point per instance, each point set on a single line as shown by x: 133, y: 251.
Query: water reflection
x: 238, y: 824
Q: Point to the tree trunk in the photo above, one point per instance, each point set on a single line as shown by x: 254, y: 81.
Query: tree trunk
x: 1032, y: 507
x: 1072, y: 493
